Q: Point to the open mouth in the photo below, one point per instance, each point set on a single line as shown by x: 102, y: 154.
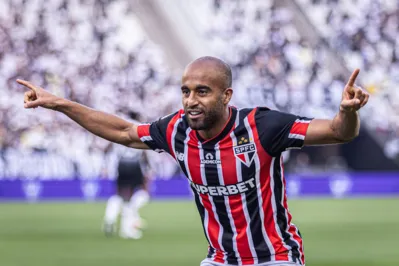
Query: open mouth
x: 195, y: 114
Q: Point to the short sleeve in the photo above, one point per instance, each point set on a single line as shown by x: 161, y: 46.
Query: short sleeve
x: 279, y: 131
x: 154, y: 134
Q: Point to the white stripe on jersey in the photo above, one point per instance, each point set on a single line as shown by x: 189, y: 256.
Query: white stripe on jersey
x: 186, y: 164
x: 259, y: 192
x: 237, y: 122
x: 296, y: 136
x: 227, y: 204
x: 146, y: 138
x: 274, y: 207
x: 244, y: 198
x: 302, y: 121
x: 205, y: 183
x: 293, y: 148
x: 206, y: 214
x: 174, y: 135
x: 186, y: 154
x: 299, y: 246
x: 286, y: 211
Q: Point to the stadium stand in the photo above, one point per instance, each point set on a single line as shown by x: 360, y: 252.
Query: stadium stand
x: 77, y: 50
x: 278, y: 67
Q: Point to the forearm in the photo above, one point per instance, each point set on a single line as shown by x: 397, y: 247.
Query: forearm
x: 346, y: 125
x: 104, y: 125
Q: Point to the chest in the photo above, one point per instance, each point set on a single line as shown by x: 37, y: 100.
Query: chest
x: 231, y: 160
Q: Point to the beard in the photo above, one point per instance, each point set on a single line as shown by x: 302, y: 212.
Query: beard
x: 209, y: 119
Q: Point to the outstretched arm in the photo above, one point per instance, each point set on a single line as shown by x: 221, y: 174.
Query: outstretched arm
x: 104, y: 125
x: 346, y: 124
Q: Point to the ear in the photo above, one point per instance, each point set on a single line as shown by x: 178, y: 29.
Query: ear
x: 227, y: 94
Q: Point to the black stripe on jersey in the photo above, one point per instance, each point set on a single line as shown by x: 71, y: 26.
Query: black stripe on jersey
x: 179, y: 139
x: 201, y: 211
x: 281, y: 216
x: 261, y: 248
x: 211, y: 252
x: 212, y: 179
x: 262, y: 251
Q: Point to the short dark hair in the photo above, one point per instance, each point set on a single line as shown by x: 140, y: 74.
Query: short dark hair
x: 224, y: 68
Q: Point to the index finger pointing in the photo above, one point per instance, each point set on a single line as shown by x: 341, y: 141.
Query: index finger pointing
x: 353, y: 77
x: 27, y: 84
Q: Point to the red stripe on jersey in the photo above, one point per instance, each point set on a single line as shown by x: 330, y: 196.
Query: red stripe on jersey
x: 143, y: 131
x: 299, y: 128
x: 281, y: 252
x: 291, y: 227
x: 169, y: 131
x: 194, y: 167
x: 235, y: 202
x: 194, y: 158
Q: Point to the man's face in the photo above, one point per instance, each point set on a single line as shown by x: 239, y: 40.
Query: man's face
x: 204, y: 95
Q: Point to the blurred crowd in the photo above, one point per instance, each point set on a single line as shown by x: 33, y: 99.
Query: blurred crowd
x: 90, y: 51
x: 366, y: 34
x: 272, y: 63
x: 277, y: 66
x: 95, y: 52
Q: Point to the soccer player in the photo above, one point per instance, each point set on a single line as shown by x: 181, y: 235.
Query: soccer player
x: 132, y: 194
x: 231, y: 157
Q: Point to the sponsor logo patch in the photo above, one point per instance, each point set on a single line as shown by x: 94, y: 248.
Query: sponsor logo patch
x: 209, y: 159
x: 227, y: 190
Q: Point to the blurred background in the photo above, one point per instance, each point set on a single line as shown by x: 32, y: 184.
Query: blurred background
x: 127, y: 56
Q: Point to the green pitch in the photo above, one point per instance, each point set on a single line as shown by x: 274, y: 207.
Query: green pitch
x: 362, y: 232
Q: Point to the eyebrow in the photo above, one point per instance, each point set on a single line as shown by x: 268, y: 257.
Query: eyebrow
x: 202, y: 87
x: 199, y: 86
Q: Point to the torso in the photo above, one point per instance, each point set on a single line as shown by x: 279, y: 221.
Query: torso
x: 234, y: 192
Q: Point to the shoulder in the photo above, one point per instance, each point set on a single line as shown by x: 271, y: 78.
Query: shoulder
x: 254, y: 112
x: 256, y: 109
x: 172, y: 116
x: 265, y: 113
x: 175, y: 122
x: 270, y: 121
x: 244, y: 112
x: 168, y: 120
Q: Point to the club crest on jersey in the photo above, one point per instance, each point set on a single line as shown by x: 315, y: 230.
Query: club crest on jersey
x: 245, y: 151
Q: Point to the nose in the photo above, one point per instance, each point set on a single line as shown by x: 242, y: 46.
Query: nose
x: 191, y: 100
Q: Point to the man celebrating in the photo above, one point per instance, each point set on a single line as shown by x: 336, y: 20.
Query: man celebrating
x: 231, y: 157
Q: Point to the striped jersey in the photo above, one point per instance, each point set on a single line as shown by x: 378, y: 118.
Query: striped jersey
x: 238, y: 181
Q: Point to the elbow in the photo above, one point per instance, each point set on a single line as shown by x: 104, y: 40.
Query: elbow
x: 125, y: 137
x: 349, y: 138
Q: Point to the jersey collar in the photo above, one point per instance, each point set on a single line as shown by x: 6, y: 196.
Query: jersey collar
x: 227, y: 127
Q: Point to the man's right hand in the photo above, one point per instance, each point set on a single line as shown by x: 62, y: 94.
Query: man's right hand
x: 38, y: 97
x: 99, y: 123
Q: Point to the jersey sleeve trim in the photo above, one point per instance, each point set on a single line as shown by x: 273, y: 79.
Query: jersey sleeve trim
x: 171, y: 130
x: 298, y: 129
x: 280, y: 131
x: 143, y: 131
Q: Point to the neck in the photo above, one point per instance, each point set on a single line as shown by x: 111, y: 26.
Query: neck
x: 218, y: 127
